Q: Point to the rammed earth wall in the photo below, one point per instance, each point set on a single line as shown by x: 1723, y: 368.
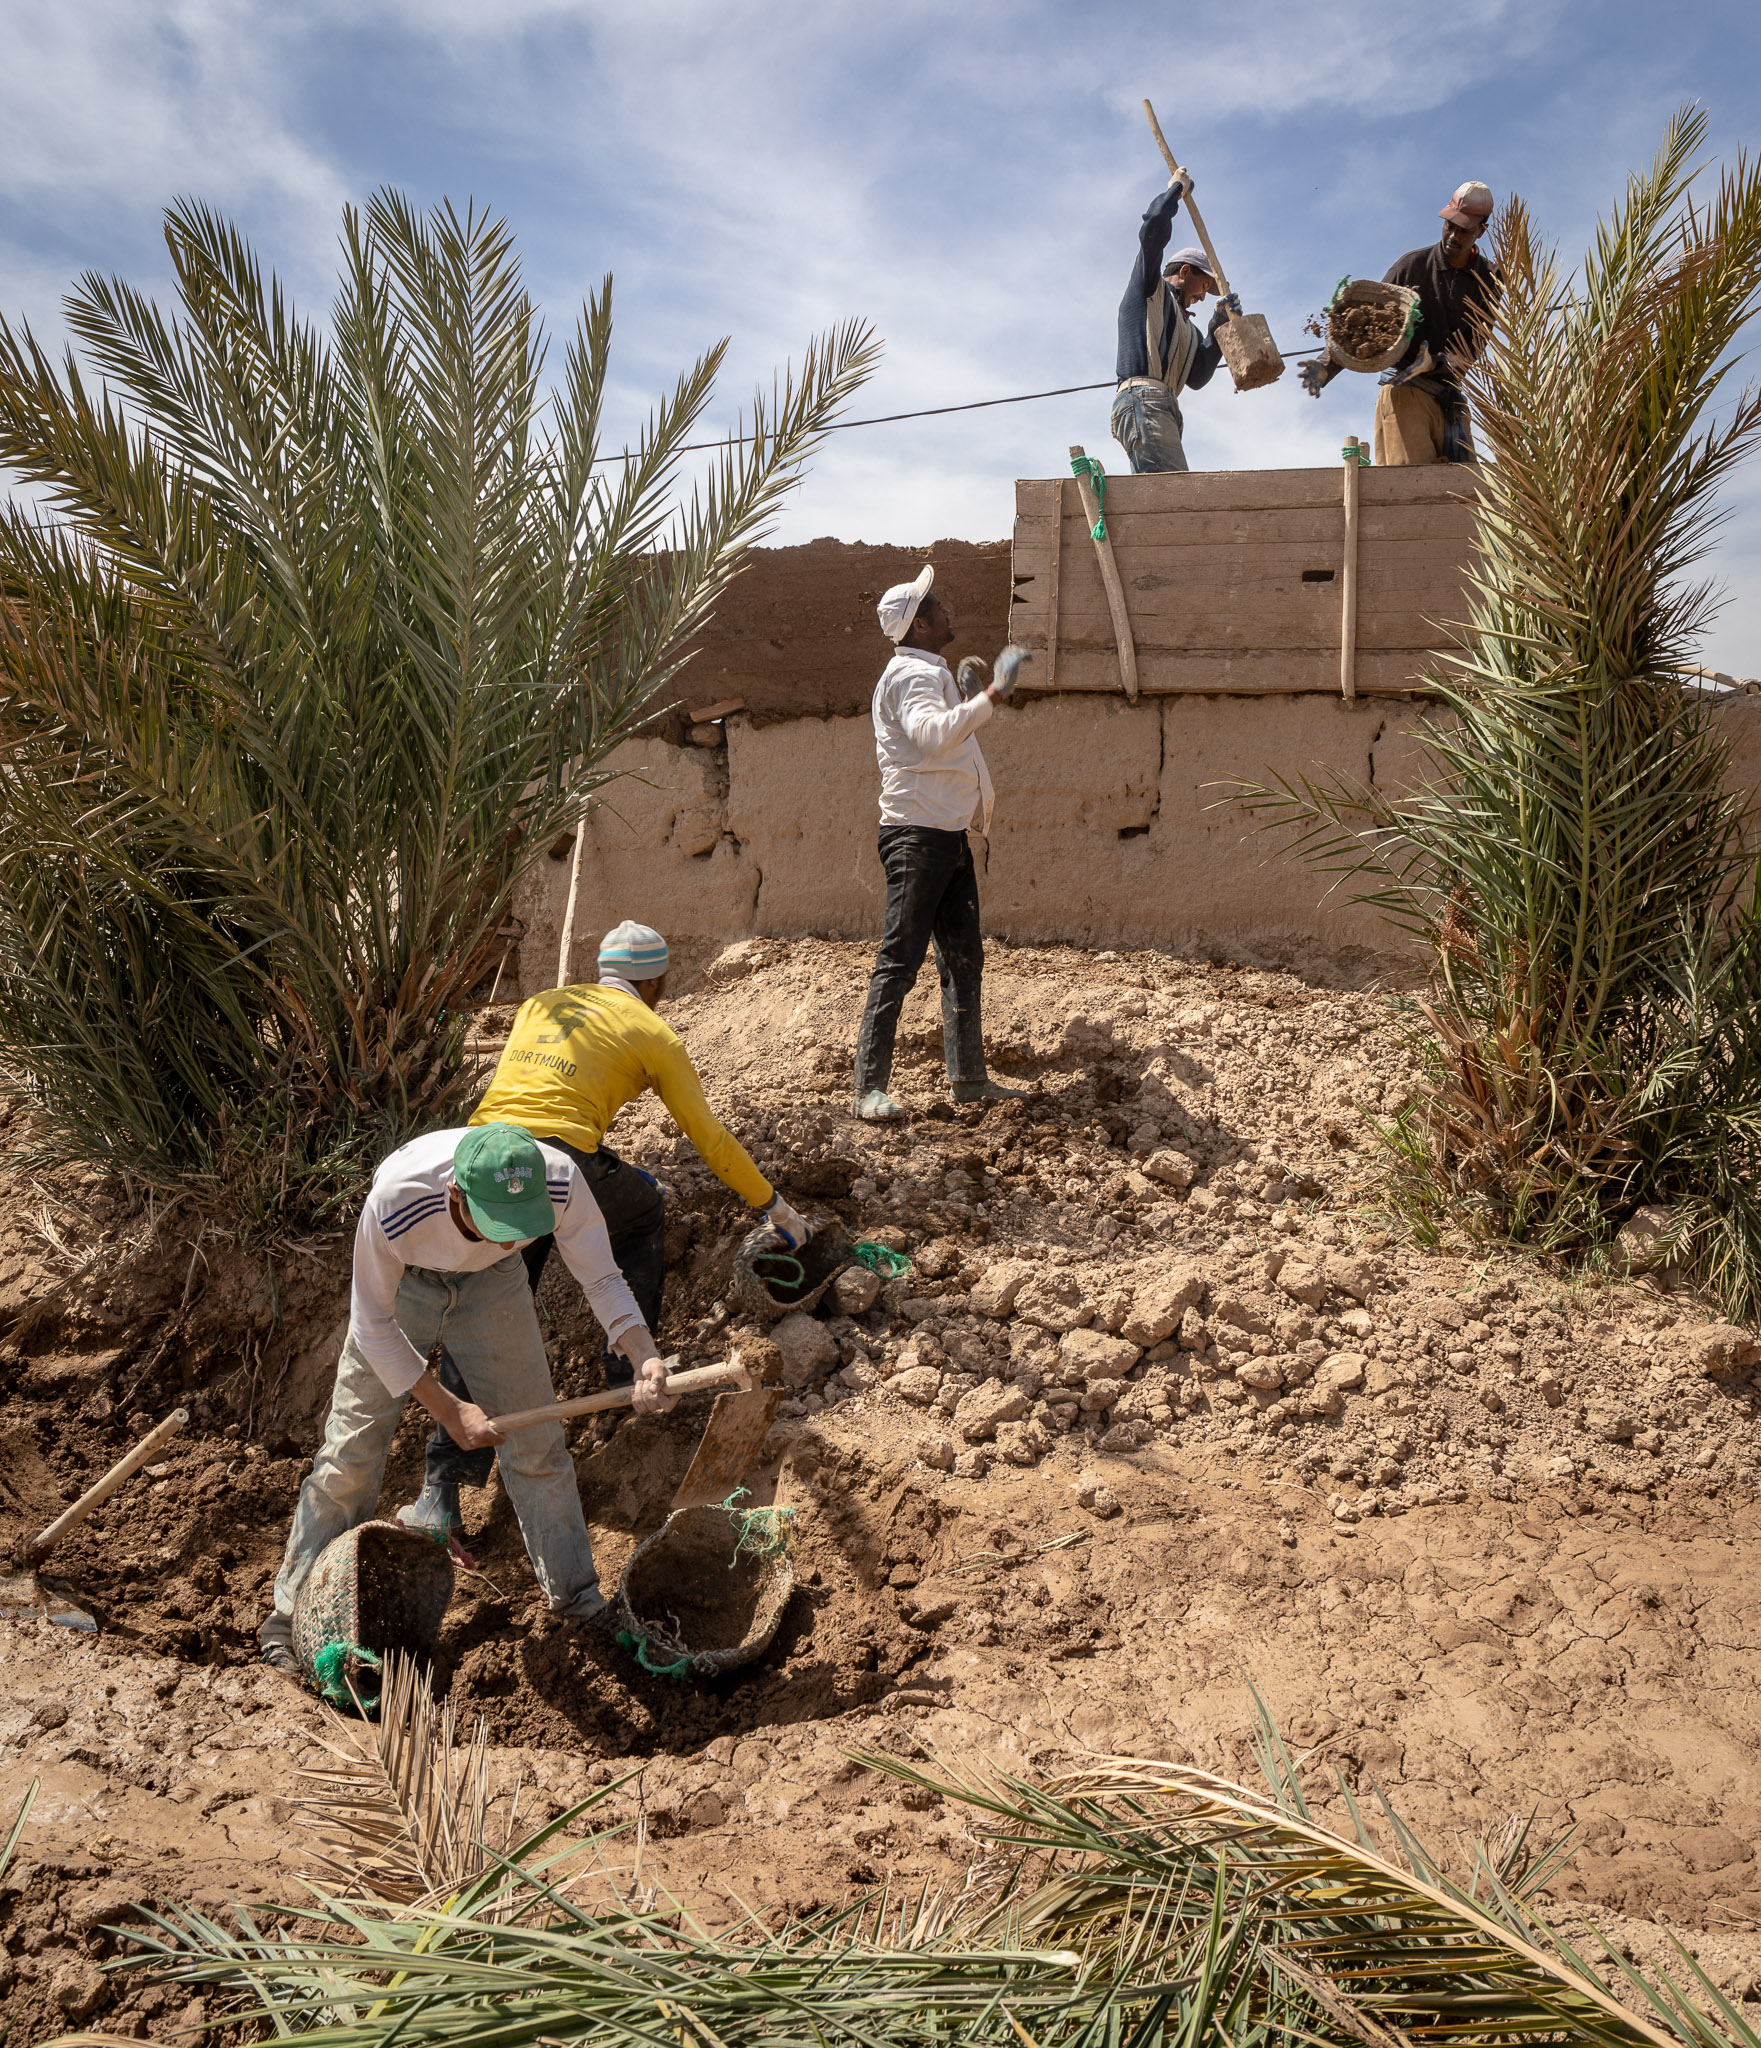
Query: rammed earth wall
x: 1114, y: 823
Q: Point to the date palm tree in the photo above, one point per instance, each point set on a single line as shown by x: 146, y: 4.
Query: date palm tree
x: 1576, y: 864
x: 309, y: 643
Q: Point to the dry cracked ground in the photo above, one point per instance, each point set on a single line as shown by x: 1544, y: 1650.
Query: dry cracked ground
x: 1163, y: 1413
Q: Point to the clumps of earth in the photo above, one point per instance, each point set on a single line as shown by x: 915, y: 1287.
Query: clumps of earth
x: 1368, y: 327
x: 1162, y: 1400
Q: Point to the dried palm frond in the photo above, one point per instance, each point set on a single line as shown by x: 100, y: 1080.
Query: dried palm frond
x: 404, y: 1810
x: 1129, y: 1905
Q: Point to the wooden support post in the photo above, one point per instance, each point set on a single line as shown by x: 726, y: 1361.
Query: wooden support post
x: 1122, y: 639
x: 1052, y: 586
x: 1348, y: 579
x: 566, y: 946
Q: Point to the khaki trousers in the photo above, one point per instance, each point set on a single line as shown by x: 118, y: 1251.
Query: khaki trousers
x: 1409, y: 427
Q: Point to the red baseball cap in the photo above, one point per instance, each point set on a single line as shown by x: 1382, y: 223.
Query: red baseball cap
x: 1470, y: 205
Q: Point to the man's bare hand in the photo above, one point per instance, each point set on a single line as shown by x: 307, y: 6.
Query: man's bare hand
x: 471, y: 1431
x: 651, y: 1396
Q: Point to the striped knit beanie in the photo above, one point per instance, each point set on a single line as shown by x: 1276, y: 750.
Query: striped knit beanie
x: 633, y: 952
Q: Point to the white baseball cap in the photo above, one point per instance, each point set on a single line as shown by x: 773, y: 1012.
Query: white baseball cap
x: 898, y: 606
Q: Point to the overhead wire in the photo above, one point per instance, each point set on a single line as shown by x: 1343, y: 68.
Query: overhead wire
x: 887, y: 419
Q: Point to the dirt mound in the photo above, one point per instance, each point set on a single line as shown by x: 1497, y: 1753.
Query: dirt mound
x: 1160, y: 1403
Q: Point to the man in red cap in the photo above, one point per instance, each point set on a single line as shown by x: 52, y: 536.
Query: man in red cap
x: 1421, y: 410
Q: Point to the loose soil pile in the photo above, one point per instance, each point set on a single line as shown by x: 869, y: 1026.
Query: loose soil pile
x: 1367, y: 329
x: 1162, y: 1406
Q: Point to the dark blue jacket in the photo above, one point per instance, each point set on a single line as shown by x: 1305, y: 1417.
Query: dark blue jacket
x: 1146, y: 279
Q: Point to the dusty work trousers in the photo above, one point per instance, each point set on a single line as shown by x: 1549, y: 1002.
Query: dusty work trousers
x: 1409, y: 427
x: 491, y: 1328
x: 932, y: 895
x: 635, y: 1220
x: 1148, y: 424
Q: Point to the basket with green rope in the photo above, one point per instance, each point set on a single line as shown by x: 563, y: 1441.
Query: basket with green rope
x: 771, y: 1281
x: 377, y: 1587
x: 705, y: 1593
x: 1370, y: 291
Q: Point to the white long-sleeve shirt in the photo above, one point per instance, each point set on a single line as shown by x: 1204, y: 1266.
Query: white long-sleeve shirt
x: 405, y: 1222
x: 931, y: 770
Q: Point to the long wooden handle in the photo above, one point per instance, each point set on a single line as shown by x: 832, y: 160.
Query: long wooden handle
x: 621, y: 1397
x: 1348, y: 579
x: 95, y: 1495
x: 1192, y: 212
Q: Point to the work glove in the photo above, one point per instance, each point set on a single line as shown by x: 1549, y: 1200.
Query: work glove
x: 969, y: 676
x: 1313, y: 376
x: 789, y: 1224
x: 1007, y: 668
x: 1228, y: 306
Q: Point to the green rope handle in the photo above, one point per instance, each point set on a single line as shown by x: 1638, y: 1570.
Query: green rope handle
x: 763, y: 1531
x: 1086, y: 465
x: 1415, y: 312
x: 1358, y: 454
x: 781, y: 1279
x: 881, y: 1259
x: 332, y: 1678
x: 1337, y: 289
x: 638, y: 1648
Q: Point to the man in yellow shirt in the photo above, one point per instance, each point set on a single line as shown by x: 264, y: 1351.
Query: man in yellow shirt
x: 574, y: 1058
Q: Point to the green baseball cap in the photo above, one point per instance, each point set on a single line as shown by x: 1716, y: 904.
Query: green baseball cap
x: 500, y: 1172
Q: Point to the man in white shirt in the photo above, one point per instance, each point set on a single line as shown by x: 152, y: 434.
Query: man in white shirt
x: 437, y: 1254
x: 933, y: 783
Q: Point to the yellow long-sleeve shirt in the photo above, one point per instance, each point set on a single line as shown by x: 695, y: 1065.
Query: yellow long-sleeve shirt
x: 576, y: 1055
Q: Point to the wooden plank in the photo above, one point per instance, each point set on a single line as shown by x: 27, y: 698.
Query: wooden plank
x: 1224, y: 672
x: 1445, y: 528
x: 1281, y: 489
x: 1348, y: 578
x: 1123, y: 638
x: 1393, y: 621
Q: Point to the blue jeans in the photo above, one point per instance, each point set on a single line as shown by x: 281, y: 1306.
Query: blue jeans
x: 932, y: 895
x: 635, y: 1220
x: 491, y: 1327
x: 1148, y: 426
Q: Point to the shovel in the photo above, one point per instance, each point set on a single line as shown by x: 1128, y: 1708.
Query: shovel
x: 23, y: 1596
x: 1245, y: 339
x: 738, y: 1425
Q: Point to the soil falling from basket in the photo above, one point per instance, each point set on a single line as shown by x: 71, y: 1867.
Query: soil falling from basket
x: 1368, y: 329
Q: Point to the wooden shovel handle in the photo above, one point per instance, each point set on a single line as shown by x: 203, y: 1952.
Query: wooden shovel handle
x: 1192, y: 212
x: 95, y: 1495
x: 621, y: 1397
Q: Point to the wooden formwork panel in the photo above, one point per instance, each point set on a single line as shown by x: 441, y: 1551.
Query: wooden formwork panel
x: 1233, y: 579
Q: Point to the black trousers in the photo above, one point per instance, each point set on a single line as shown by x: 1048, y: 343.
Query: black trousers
x: 635, y: 1220
x: 932, y: 897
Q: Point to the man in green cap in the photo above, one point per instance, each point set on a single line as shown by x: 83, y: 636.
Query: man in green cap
x: 437, y: 1254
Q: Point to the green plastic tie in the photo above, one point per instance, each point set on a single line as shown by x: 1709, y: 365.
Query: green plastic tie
x: 881, y: 1259
x: 763, y: 1531
x: 638, y: 1648
x: 1086, y: 465
x: 328, y: 1668
x: 1358, y: 454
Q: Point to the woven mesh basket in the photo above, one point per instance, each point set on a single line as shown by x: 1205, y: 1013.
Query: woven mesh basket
x: 706, y: 1591
x: 1368, y: 291
x: 763, y: 1280
x: 377, y: 1587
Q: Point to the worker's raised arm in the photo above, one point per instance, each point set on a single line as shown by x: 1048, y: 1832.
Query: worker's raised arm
x: 1154, y: 236
x: 373, y: 1324
x: 676, y: 1083
x: 927, y: 721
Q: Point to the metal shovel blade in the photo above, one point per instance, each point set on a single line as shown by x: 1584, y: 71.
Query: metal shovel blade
x: 738, y: 1426
x: 25, y: 1597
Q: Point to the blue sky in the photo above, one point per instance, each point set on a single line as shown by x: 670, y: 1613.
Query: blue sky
x: 967, y: 178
